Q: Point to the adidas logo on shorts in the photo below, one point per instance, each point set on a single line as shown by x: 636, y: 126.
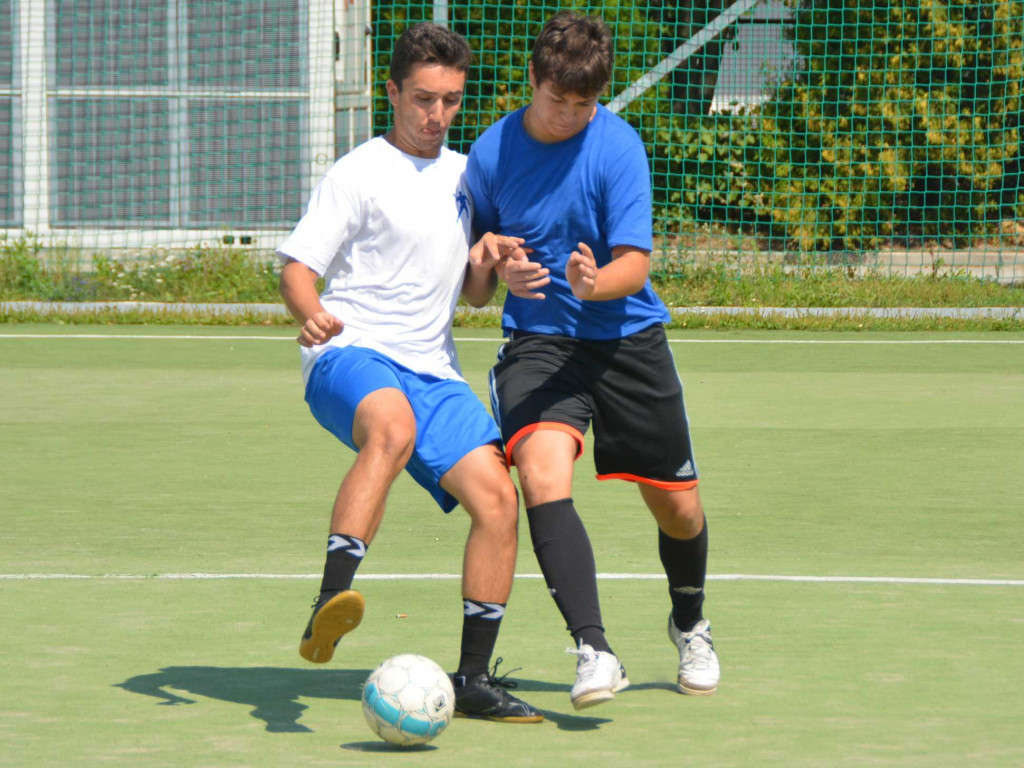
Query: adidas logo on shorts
x: 686, y: 470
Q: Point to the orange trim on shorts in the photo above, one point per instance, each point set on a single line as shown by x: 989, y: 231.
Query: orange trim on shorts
x: 553, y: 425
x: 668, y: 486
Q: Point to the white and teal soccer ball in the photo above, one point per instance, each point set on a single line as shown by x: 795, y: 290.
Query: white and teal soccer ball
x: 408, y: 700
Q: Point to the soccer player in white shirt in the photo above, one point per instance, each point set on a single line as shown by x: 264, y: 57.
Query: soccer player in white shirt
x: 388, y: 228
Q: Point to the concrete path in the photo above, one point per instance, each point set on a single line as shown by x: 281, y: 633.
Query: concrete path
x: 70, y: 308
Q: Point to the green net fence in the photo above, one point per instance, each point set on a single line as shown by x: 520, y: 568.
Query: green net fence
x: 855, y: 134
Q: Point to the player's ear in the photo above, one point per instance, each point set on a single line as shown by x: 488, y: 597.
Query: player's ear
x: 392, y: 90
x: 533, y: 78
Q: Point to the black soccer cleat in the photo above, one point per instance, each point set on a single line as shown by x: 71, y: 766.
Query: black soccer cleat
x: 484, y: 696
x: 332, y: 618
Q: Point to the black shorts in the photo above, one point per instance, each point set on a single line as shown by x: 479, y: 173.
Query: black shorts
x: 628, y: 388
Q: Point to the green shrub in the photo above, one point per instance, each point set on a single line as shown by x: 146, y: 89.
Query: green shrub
x: 902, y: 122
x: 21, y: 268
x: 28, y: 272
x: 903, y: 125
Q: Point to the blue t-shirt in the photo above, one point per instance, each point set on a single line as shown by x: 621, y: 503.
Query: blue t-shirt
x: 593, y: 188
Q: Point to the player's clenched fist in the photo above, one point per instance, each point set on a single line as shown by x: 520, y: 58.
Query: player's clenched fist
x: 319, y: 328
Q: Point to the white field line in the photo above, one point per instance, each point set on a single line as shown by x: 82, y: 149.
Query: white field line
x: 146, y: 336
x: 495, y: 340
x: 455, y: 576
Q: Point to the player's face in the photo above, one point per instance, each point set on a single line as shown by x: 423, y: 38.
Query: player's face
x: 556, y: 115
x: 424, y: 108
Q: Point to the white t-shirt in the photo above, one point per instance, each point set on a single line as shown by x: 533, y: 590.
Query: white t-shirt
x: 390, y: 235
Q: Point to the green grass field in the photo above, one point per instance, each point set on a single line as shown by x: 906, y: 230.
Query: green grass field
x: 164, y: 505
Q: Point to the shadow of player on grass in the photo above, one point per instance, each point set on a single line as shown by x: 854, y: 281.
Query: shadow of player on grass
x: 274, y: 692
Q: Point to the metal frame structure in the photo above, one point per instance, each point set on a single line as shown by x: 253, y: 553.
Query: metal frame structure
x: 34, y: 90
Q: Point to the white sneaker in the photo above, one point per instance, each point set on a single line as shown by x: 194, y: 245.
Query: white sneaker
x: 599, y: 676
x: 698, y: 663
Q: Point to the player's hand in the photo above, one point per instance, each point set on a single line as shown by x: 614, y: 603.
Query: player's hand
x: 523, y: 276
x: 319, y: 328
x: 581, y: 272
x: 491, y: 249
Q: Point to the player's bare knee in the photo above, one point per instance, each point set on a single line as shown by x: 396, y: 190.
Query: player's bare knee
x: 679, y: 514
x: 504, y: 509
x: 690, y: 509
x: 393, y: 442
x: 541, y: 485
x: 681, y: 527
x: 497, y: 509
x: 508, y: 506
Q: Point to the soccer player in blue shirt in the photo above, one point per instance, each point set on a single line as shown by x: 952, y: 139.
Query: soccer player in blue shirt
x: 587, y: 344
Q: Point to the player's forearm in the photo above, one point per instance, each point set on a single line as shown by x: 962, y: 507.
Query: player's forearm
x: 297, y: 287
x: 623, y: 276
x: 479, y: 285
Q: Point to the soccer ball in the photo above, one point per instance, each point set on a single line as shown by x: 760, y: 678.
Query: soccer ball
x: 408, y: 700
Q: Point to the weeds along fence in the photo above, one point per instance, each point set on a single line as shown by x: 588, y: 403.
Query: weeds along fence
x: 865, y: 136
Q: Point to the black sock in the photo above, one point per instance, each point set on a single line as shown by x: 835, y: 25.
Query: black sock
x: 686, y: 565
x: 592, y: 636
x: 344, y: 554
x: 480, y: 624
x: 567, y: 561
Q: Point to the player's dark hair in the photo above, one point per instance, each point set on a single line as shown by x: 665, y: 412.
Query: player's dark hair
x: 574, y: 53
x: 428, y: 43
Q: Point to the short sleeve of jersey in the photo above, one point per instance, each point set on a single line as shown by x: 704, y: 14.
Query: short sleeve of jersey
x: 485, y: 215
x: 627, y: 195
x: 332, y: 216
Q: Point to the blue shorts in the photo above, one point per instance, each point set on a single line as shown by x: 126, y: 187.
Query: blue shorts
x: 450, y: 420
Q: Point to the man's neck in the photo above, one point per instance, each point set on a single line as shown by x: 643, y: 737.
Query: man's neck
x: 390, y: 138
x: 533, y: 132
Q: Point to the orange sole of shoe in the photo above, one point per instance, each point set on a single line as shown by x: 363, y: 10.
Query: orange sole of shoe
x: 335, y: 619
